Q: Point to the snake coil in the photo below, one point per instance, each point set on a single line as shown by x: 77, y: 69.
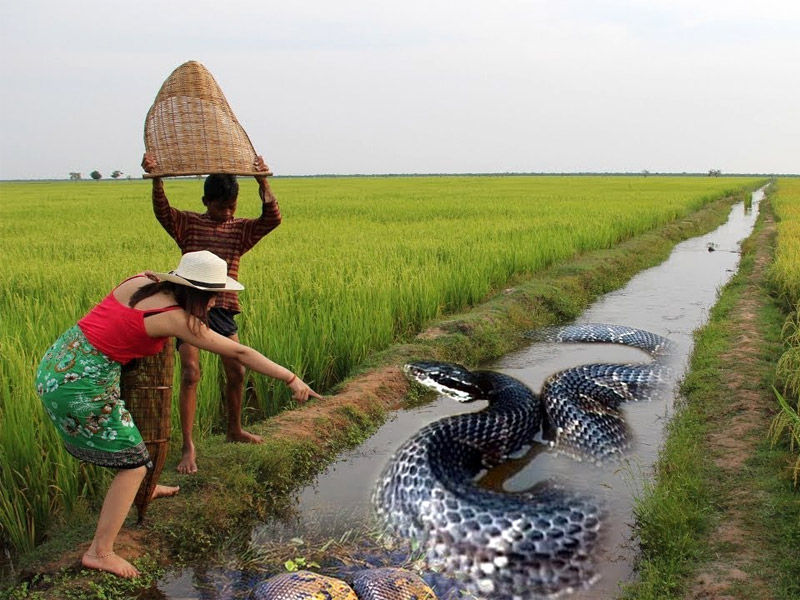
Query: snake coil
x: 501, y: 545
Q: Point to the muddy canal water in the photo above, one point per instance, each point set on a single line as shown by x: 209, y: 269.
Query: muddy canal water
x: 672, y: 299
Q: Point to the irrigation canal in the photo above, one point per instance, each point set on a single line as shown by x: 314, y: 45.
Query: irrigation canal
x: 672, y: 299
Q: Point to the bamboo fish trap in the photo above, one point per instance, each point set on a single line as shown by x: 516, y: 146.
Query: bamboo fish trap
x: 146, y: 389
x: 191, y: 129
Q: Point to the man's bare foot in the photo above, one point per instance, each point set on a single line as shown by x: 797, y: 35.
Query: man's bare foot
x: 188, y: 466
x: 109, y: 562
x: 244, y: 437
x: 165, y: 491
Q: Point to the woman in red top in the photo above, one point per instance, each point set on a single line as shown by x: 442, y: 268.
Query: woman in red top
x: 78, y: 378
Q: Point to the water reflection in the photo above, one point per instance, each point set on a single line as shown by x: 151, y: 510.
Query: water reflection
x: 207, y: 584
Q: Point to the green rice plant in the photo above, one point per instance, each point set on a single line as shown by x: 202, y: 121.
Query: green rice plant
x: 784, y: 276
x: 787, y: 423
x: 788, y: 366
x: 784, y: 273
x: 359, y: 263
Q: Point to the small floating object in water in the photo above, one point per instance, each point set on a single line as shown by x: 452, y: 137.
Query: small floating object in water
x: 711, y: 246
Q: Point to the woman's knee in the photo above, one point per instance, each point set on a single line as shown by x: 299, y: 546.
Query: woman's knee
x: 135, y: 474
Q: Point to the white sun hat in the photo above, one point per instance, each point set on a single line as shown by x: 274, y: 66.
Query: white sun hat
x: 203, y: 270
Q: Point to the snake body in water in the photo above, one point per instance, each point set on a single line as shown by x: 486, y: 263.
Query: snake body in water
x: 500, y: 545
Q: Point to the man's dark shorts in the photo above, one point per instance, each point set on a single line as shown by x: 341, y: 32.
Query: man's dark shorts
x: 219, y: 320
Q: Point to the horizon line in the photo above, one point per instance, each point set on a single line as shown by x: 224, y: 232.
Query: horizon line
x: 444, y: 174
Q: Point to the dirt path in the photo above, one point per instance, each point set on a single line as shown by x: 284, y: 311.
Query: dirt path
x: 738, y: 540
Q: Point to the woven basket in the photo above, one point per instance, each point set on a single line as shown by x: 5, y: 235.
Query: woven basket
x: 146, y: 389
x: 191, y: 129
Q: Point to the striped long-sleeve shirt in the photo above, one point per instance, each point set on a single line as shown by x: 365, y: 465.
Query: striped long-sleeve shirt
x: 229, y: 239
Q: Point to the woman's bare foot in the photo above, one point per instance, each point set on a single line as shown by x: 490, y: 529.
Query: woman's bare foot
x: 109, y: 562
x: 188, y: 464
x: 245, y: 437
x: 165, y: 491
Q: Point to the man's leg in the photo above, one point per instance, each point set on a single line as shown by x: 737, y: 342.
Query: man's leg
x: 187, y: 404
x: 234, y: 394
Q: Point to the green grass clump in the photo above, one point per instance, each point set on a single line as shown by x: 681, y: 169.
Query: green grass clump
x: 674, y: 513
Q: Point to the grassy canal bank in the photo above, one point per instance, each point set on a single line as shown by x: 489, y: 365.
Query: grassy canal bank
x: 238, y: 484
x: 722, y: 519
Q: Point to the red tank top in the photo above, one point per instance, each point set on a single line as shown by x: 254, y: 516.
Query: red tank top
x: 118, y: 330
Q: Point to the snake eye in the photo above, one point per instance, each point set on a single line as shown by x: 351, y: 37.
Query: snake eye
x: 450, y: 379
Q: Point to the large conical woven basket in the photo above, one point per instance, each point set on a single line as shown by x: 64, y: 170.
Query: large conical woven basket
x: 146, y: 388
x: 191, y: 129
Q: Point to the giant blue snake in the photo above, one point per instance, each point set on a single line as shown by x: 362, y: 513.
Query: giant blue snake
x: 498, y: 545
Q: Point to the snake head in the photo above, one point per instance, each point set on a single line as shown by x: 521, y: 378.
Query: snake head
x: 449, y: 379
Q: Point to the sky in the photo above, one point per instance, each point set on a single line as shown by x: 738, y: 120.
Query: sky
x: 419, y: 86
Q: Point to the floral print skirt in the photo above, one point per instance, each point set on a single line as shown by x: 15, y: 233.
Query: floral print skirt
x: 79, y: 388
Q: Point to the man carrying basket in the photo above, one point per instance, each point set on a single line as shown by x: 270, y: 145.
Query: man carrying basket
x: 218, y: 231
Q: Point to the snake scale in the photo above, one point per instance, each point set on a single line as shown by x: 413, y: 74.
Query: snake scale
x: 497, y: 545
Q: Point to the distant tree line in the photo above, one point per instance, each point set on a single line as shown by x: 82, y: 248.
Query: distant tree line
x: 96, y: 175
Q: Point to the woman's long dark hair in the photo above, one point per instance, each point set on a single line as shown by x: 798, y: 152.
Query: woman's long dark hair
x: 193, y: 301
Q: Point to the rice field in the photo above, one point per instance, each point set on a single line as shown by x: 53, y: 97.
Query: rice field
x: 785, y: 278
x: 358, y: 264
x: 785, y: 272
